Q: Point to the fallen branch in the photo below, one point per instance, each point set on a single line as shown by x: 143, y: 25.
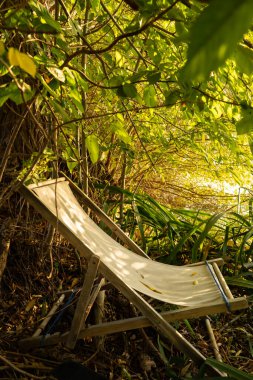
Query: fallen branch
x: 10, y: 364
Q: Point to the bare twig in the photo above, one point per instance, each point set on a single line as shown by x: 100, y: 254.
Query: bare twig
x: 119, y: 38
x: 10, y: 364
x: 121, y: 31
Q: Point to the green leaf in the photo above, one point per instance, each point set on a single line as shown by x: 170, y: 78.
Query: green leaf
x: 116, y: 80
x: 215, y: 35
x: 120, y: 60
x: 71, y: 165
x: 240, y: 282
x: 2, y: 48
x: 44, y: 15
x: 57, y: 73
x: 4, y: 94
x: 245, y: 125
x: 3, y: 70
x: 130, y: 90
x: 182, y: 32
x: 120, y: 131
x: 60, y: 110
x: 76, y: 99
x: 71, y: 158
x: 149, y: 96
x: 3, y: 99
x: 162, y: 351
x: 172, y: 97
x: 95, y: 4
x: 22, y: 60
x: 81, y: 82
x: 15, y: 94
x: 153, y: 77
x: 137, y: 22
x: 127, y: 91
x: 233, y: 372
x: 93, y: 147
x: 47, y: 87
x: 244, y: 59
x: 250, y: 144
x: 198, y: 243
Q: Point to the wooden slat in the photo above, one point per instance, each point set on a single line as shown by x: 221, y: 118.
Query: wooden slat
x: 83, y: 301
x: 219, y: 261
x: 170, y: 316
x: 222, y: 281
x: 95, y: 291
x: 108, y: 222
x: 137, y: 323
x: 42, y: 341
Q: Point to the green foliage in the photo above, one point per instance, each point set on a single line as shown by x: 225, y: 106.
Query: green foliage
x: 232, y: 372
x: 93, y: 147
x: 245, y: 125
x: 22, y: 60
x: 134, y: 60
x: 2, y: 48
x: 149, y: 96
x: 118, y: 128
x: 18, y: 94
x: 244, y: 59
x: 215, y: 35
x: 179, y: 235
x: 127, y: 91
x: 110, y: 80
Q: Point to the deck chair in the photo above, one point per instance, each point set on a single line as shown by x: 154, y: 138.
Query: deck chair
x: 197, y: 290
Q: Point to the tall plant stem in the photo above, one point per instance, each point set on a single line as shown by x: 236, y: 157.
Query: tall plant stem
x: 84, y: 167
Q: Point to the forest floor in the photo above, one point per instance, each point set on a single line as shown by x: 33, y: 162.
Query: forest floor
x: 31, y: 284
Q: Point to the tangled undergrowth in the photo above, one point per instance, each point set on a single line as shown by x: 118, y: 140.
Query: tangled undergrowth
x: 37, y: 272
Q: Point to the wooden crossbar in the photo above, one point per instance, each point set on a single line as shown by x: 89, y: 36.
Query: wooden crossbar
x: 136, y: 323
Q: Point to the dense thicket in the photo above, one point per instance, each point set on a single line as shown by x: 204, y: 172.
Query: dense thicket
x: 154, y: 94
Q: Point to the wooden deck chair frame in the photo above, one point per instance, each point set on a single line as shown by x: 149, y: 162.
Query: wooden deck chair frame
x: 160, y: 321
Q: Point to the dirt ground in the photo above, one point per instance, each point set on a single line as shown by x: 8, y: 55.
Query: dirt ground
x: 40, y: 266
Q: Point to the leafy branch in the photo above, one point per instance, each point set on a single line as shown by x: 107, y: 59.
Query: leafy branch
x: 120, y: 37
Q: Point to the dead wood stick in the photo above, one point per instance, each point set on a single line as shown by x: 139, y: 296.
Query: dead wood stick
x: 145, y: 336
x: 213, y: 340
x: 32, y: 357
x: 4, y: 250
x: 5, y: 241
x: 99, y: 314
x: 49, y: 242
x: 49, y: 316
x: 214, y: 343
x: 10, y: 364
x: 230, y: 322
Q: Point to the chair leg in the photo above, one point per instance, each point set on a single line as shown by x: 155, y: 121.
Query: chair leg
x: 83, y: 302
x: 98, y: 308
x: 158, y: 322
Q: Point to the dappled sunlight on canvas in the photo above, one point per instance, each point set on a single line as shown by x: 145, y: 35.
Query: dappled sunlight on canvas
x: 185, y: 286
